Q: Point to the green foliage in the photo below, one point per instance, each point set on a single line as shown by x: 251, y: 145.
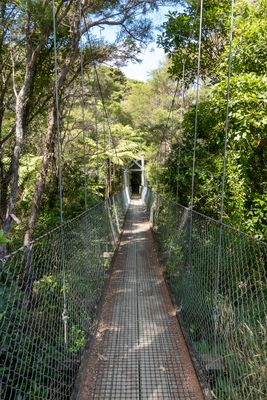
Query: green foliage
x: 220, y: 308
x: 256, y: 221
x: 32, y: 301
x: 77, y: 339
x: 45, y: 289
x: 139, y: 123
x: 246, y: 174
x: 180, y: 38
x: 3, y: 239
x: 224, y: 322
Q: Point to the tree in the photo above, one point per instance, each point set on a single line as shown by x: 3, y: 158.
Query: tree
x: 245, y: 199
x: 32, y: 21
x: 181, y: 33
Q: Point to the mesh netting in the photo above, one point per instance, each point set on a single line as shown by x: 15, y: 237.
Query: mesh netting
x: 221, y: 297
x: 36, y: 361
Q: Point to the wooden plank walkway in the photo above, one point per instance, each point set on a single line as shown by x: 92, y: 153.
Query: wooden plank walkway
x: 139, y: 351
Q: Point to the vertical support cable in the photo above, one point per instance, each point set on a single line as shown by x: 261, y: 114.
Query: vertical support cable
x: 183, y: 90
x: 104, y: 138
x: 64, y: 314
x: 227, y: 110
x: 96, y: 120
x: 191, y: 205
x: 182, y: 115
x: 105, y: 155
x: 219, y: 258
x: 83, y: 118
x: 178, y: 172
x: 197, y: 101
x: 97, y: 80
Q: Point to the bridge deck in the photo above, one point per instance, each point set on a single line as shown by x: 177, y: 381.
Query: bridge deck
x: 139, y: 351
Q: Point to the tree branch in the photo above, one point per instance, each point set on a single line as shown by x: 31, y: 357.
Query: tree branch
x: 10, y: 133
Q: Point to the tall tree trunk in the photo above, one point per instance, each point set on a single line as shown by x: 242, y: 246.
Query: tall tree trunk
x: 12, y: 176
x: 20, y: 108
x: 21, y: 100
x: 40, y: 185
x: 51, y: 135
x: 48, y: 156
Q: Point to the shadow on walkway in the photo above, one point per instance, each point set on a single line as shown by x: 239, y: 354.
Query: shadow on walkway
x: 139, y: 351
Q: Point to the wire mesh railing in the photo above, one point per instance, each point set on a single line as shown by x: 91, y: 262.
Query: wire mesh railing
x: 220, y: 296
x: 38, y: 359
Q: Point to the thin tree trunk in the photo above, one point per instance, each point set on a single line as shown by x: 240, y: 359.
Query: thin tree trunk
x: 14, y: 168
x: 39, y: 188
x: 12, y: 176
x: 48, y: 156
x: 50, y: 138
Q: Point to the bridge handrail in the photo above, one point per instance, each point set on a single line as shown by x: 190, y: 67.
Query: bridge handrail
x: 220, y: 296
x: 211, y: 219
x: 37, y: 359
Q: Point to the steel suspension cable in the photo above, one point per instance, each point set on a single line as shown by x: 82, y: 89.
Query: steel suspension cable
x: 65, y: 313
x: 172, y: 105
x: 178, y: 172
x: 96, y: 119
x: 83, y: 118
x: 171, y: 126
x: 163, y: 136
x: 101, y: 91
x: 106, y: 112
x: 227, y: 109
x: 110, y: 135
x: 183, y: 89
x: 219, y: 259
x: 191, y: 205
x: 182, y: 110
x: 108, y: 176
x: 105, y: 155
x: 104, y: 141
x: 182, y: 115
x: 197, y: 102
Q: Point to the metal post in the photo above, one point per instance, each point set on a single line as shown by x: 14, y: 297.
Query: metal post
x: 143, y: 171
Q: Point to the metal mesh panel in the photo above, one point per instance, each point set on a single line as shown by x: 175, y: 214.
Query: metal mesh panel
x: 139, y: 352
x: 36, y: 363
x: 221, y: 297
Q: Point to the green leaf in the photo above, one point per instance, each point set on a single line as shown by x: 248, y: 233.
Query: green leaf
x: 3, y: 239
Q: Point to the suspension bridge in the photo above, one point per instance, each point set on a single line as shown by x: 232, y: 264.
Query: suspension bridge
x: 118, y: 332
x: 138, y: 297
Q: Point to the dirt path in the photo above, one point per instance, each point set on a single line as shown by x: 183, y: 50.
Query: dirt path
x: 139, y: 351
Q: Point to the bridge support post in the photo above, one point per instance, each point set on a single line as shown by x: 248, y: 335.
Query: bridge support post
x: 126, y: 178
x: 143, y: 177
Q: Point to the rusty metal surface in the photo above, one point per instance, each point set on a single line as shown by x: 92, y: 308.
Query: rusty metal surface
x: 139, y: 351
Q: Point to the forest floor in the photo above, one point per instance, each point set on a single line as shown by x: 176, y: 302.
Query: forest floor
x: 138, y: 351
